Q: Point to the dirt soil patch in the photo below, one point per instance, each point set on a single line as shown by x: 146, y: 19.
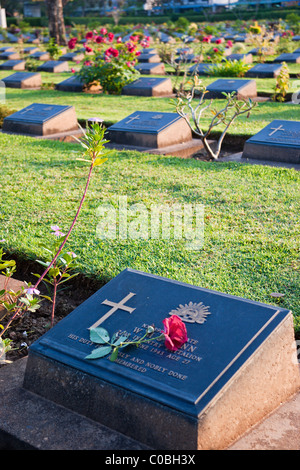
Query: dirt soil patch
x: 27, y: 329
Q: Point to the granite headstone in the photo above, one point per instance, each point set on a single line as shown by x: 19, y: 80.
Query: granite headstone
x: 238, y: 364
x: 246, y: 58
x: 6, y: 49
x: 73, y: 84
x: 9, y: 55
x: 154, y: 132
x: 40, y: 55
x: 264, y: 71
x: 293, y: 58
x: 30, y: 49
x: 151, y: 68
x: 241, y: 87
x: 13, y: 65
x: 150, y: 129
x: 148, y: 58
x: 149, y: 86
x: 54, y: 66
x: 41, y: 120
x: 200, y: 69
x: 23, y: 80
x: 72, y: 57
x: 278, y: 141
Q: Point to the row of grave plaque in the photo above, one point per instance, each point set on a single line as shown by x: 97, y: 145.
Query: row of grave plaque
x: 278, y: 141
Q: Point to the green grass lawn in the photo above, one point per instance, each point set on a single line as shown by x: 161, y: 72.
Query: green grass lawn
x: 251, y: 216
x: 114, y: 108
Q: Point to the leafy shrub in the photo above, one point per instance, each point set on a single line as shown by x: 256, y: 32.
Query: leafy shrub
x: 53, y: 49
x: 112, y: 76
x: 32, y: 64
x: 229, y: 68
x: 238, y: 48
x: 112, y: 63
x: 5, y: 111
x: 282, y: 84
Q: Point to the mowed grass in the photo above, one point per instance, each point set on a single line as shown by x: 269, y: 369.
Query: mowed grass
x: 112, y: 108
x: 251, y: 216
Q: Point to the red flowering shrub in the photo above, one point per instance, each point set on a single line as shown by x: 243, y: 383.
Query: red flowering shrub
x: 113, y: 60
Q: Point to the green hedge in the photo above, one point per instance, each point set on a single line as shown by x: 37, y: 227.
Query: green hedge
x: 223, y: 16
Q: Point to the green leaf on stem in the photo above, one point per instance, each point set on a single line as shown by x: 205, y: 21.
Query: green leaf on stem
x: 99, y: 335
x: 120, y: 340
x: 114, y: 355
x: 99, y: 352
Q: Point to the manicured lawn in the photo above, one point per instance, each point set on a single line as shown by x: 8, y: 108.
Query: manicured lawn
x: 114, y: 108
x: 251, y: 215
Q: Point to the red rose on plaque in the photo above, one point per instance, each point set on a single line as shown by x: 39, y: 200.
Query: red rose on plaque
x: 175, y: 332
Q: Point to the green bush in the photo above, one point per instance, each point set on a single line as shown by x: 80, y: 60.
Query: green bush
x: 229, y: 68
x: 5, y: 111
x: 112, y: 76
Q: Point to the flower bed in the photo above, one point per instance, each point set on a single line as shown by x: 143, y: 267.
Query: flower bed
x: 109, y: 61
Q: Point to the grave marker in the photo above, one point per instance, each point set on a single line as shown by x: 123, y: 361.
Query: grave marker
x: 149, y: 87
x: 150, y: 129
x: 6, y: 49
x: 40, y: 55
x: 246, y: 58
x: 42, y: 120
x: 154, y: 132
x: 54, y: 66
x: 242, y: 88
x: 9, y: 55
x: 148, y: 58
x: 278, y: 141
x: 73, y: 84
x: 238, y: 364
x: 30, y: 49
x: 201, y: 69
x: 264, y: 71
x: 23, y: 80
x: 151, y: 68
x: 72, y: 56
x: 13, y: 65
x: 293, y: 58
x: 184, y: 58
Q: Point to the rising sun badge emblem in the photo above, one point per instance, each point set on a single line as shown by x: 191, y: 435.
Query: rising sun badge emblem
x: 192, y: 312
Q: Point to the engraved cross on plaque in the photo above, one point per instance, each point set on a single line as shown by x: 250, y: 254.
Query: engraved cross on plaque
x: 275, y: 129
x: 132, y: 119
x: 26, y: 110
x: 115, y: 306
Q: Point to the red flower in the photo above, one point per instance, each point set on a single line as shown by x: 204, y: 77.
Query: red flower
x: 103, y: 31
x: 130, y: 47
x: 114, y: 52
x: 99, y: 39
x: 111, y: 37
x: 218, y: 41
x: 175, y: 333
x: 72, y: 43
x: 89, y: 35
x: 215, y: 49
x: 88, y: 49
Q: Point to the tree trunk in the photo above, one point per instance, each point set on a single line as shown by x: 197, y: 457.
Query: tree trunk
x: 57, y: 28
